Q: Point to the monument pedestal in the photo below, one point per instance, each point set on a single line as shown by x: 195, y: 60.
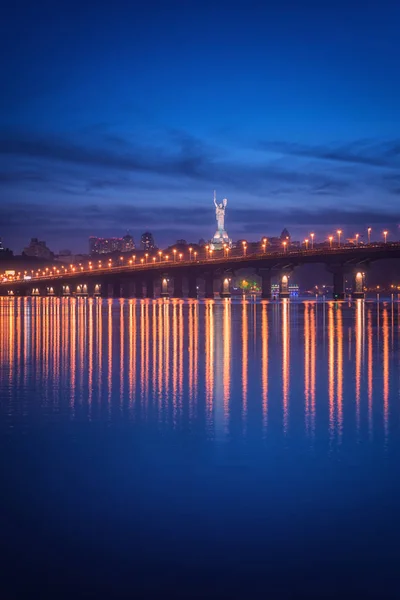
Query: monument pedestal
x: 220, y: 240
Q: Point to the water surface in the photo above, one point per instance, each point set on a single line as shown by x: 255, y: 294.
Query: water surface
x: 200, y: 449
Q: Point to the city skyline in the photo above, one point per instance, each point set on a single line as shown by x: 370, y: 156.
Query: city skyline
x: 291, y: 114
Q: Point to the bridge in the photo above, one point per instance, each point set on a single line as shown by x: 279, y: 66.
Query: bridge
x: 162, y: 274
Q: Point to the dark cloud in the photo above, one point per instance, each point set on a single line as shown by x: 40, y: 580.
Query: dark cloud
x: 363, y: 152
x: 188, y: 158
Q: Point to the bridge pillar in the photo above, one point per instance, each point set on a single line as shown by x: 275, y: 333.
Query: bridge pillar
x: 103, y: 288
x: 138, y: 288
x: 209, y: 285
x: 266, y: 279
x: 126, y: 291
x: 150, y: 287
x: 164, y: 288
x: 96, y: 289
x: 116, y: 289
x: 338, y: 284
x: 65, y: 289
x: 358, y: 286
x: 225, y: 288
x: 178, y: 286
x: 284, y: 286
x: 81, y: 289
x: 192, y: 282
x: 54, y: 289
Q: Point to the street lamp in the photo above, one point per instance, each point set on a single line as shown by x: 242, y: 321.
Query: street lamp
x: 369, y: 235
x: 166, y: 257
x: 312, y: 240
x: 339, y: 232
x: 357, y: 236
x: 385, y: 233
x: 146, y: 257
x: 244, y: 248
x: 160, y: 255
x: 195, y: 256
x: 142, y: 260
x: 174, y: 251
x: 134, y: 258
x: 284, y: 245
x: 264, y: 248
x: 306, y: 243
x: 330, y: 241
x: 180, y: 256
x: 190, y: 253
x: 154, y: 259
x: 211, y: 251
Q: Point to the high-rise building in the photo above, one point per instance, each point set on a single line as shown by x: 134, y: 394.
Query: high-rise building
x: 147, y: 241
x: 38, y: 249
x: 98, y: 245
x: 127, y: 243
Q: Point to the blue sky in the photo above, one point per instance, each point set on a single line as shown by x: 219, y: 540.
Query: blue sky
x: 127, y: 115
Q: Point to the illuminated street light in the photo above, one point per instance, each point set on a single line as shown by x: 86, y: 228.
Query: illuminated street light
x: 211, y: 251
x: 146, y: 257
x: 166, y: 257
x: 154, y: 259
x: 195, y: 256
x: 180, y: 256
x: 339, y: 232
x: 264, y: 246
x: 160, y: 255
x: 284, y: 245
x: 385, y: 233
x: 357, y: 236
x: 190, y: 253
x: 330, y: 240
x: 369, y: 234
x: 312, y: 240
x: 306, y: 243
x: 174, y: 251
x: 244, y: 248
x: 142, y: 260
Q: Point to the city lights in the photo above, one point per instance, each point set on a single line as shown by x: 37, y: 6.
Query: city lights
x: 369, y: 234
x: 312, y: 240
x: 339, y: 233
x: 385, y: 234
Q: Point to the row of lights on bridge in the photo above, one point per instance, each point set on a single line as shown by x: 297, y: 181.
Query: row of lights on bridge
x: 178, y: 257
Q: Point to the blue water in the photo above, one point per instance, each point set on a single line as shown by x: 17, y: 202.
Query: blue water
x: 199, y: 449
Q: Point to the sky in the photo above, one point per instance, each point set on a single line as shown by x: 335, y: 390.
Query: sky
x: 127, y: 115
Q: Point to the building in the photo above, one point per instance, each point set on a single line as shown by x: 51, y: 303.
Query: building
x: 147, y: 241
x: 285, y: 236
x: 38, y: 249
x: 98, y: 245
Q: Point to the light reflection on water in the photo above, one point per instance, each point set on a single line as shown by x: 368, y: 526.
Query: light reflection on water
x: 233, y: 368
x: 226, y: 437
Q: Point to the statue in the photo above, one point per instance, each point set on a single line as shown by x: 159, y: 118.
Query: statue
x: 220, y: 239
x: 220, y: 212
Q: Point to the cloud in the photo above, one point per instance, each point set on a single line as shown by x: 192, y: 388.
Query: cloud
x: 362, y: 152
x: 180, y: 157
